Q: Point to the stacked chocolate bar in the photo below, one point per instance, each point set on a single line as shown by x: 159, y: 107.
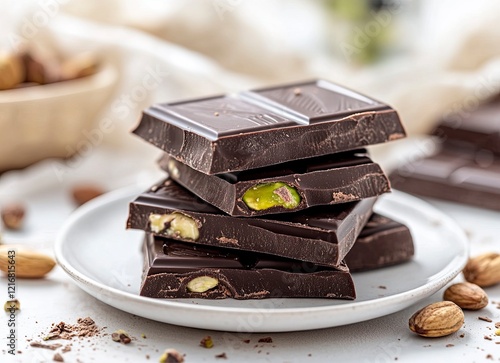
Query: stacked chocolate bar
x: 267, y: 193
x: 466, y: 167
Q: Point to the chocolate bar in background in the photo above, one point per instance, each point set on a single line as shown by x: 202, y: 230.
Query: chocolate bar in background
x: 477, y: 129
x: 383, y: 242
x: 453, y: 174
x: 180, y: 270
x: 285, y: 188
x: 268, y: 126
x: 322, y: 235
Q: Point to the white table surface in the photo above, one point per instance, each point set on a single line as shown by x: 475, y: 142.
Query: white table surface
x: 386, y: 339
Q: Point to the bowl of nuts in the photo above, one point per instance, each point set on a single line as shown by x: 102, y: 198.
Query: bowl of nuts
x: 46, y: 109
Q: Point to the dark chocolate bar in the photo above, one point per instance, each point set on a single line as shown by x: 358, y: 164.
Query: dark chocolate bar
x: 268, y: 126
x: 180, y: 270
x: 322, y: 235
x: 479, y: 128
x: 453, y: 174
x: 284, y: 188
x: 383, y: 242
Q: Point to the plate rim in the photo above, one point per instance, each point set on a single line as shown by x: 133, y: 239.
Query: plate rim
x: 451, y: 270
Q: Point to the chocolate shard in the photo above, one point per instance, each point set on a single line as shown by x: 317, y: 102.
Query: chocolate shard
x: 323, y: 180
x: 453, y: 174
x: 179, y: 270
x: 322, y: 235
x: 268, y: 126
x: 383, y: 242
x: 477, y: 129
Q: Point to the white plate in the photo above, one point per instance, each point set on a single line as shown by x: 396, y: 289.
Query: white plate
x: 105, y: 260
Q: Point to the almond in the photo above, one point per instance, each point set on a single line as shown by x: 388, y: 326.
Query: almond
x: 466, y: 295
x: 483, y: 270
x: 437, y: 320
x: 27, y: 263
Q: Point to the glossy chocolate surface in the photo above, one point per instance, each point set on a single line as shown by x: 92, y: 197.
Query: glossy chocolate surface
x: 268, y: 126
x: 454, y: 174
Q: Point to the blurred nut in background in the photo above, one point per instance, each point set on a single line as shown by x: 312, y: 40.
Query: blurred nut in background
x: 13, y: 215
x: 11, y: 70
x: 85, y: 192
x: 47, y: 105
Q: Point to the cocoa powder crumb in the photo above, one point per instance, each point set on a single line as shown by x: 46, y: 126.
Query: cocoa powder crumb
x: 266, y: 340
x: 67, y: 348
x: 246, y: 341
x: 45, y: 346
x: 221, y: 356
x: 485, y: 318
x: 450, y: 345
x: 84, y: 328
x: 382, y: 287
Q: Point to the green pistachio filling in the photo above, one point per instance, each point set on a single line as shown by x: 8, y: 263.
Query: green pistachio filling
x: 269, y: 195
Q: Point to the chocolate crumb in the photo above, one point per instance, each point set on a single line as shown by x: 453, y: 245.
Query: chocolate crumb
x: 450, y: 345
x: 221, y: 356
x: 67, y: 348
x: 143, y: 336
x: 147, y: 356
x: 487, y: 337
x: 497, y: 325
x: 489, y: 356
x: 58, y: 358
x: 462, y: 335
x: 85, y: 328
x: 266, y: 340
x: 485, y: 318
x: 246, y: 341
x: 45, y: 346
x: 382, y: 287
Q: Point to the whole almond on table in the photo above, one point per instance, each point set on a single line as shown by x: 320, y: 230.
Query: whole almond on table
x: 437, y: 320
x: 28, y: 263
x: 466, y: 295
x: 483, y: 270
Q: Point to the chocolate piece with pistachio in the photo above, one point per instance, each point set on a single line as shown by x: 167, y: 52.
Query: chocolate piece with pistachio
x: 321, y: 235
x: 175, y: 269
x: 291, y: 186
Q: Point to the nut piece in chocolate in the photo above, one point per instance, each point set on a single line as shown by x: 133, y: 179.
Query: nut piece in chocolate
x: 175, y: 225
x: 202, y: 284
x: 269, y: 195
